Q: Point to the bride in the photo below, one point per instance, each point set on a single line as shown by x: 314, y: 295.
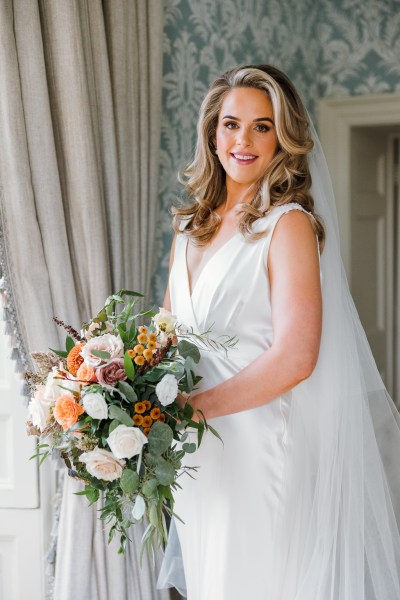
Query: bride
x: 301, y: 500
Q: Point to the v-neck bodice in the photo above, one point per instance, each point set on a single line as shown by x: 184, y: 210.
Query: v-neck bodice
x: 204, y: 268
x: 232, y: 293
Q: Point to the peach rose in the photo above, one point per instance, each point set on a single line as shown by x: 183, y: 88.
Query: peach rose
x: 66, y: 411
x: 86, y: 374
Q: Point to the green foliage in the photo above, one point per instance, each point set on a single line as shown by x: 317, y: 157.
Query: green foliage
x: 159, y: 438
x: 129, y: 366
x: 129, y: 481
x: 115, y: 412
x: 69, y: 344
x: 187, y: 349
x: 128, y: 391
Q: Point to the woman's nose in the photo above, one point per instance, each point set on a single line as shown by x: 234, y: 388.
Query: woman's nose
x: 243, y: 137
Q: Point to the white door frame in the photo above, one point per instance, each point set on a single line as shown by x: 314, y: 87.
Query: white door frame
x: 336, y: 117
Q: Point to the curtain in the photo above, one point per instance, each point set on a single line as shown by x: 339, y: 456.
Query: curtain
x: 80, y: 103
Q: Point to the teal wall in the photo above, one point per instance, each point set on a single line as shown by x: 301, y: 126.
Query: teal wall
x: 327, y: 47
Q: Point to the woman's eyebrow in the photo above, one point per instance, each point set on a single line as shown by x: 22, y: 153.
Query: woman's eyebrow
x: 255, y: 120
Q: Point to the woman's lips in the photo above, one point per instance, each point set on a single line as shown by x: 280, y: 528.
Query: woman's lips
x: 244, y: 159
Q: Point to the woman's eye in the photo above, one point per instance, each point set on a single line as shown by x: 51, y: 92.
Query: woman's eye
x: 262, y: 128
x: 231, y: 125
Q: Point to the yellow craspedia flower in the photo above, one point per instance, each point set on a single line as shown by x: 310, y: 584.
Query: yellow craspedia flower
x: 138, y: 420
x: 143, y: 329
x: 155, y: 413
x: 146, y: 430
x: 147, y: 421
x: 139, y: 360
x: 147, y: 403
x: 142, y: 338
x: 139, y: 348
x: 131, y: 353
x: 140, y: 407
x: 152, y: 337
x: 151, y: 345
x: 148, y: 354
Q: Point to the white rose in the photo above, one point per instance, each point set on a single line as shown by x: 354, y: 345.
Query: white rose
x: 56, y: 386
x: 112, y: 344
x: 126, y: 442
x: 165, y: 321
x: 102, y: 464
x: 167, y: 389
x: 39, y: 408
x: 95, y: 405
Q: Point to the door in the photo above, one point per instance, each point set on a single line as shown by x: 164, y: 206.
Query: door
x: 374, y: 244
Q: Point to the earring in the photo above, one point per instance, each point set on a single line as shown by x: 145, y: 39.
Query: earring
x: 216, y: 150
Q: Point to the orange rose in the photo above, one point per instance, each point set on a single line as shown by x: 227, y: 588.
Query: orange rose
x: 74, y: 359
x: 66, y: 411
x: 86, y: 374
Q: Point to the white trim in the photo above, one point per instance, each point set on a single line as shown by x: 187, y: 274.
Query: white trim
x: 336, y: 117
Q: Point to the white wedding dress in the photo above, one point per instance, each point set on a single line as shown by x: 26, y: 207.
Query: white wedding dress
x: 230, y: 506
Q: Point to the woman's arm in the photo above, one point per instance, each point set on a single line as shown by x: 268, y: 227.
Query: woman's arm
x: 296, y: 302
x: 167, y: 299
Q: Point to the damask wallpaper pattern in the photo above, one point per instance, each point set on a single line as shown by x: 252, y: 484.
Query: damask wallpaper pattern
x: 327, y: 47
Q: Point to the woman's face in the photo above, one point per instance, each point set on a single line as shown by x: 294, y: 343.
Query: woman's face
x: 245, y: 137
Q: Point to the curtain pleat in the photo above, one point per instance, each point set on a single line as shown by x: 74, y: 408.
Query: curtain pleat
x: 80, y: 104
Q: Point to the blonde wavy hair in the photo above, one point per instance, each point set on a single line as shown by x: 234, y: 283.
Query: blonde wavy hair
x: 287, y: 177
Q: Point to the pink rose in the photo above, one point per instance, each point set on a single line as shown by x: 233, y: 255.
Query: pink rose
x: 111, y: 373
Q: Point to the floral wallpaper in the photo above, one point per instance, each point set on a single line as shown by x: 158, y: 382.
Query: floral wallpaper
x: 327, y: 47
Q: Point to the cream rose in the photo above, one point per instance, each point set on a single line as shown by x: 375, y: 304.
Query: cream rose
x: 102, y: 464
x: 39, y: 408
x: 165, y: 321
x: 107, y: 343
x: 126, y: 442
x: 95, y: 405
x: 57, y: 386
x: 167, y: 389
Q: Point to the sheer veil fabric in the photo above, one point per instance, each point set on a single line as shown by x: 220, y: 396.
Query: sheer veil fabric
x: 337, y: 535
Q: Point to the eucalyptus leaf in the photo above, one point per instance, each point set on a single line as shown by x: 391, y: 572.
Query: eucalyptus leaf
x: 160, y: 437
x: 101, y: 354
x: 165, y: 472
x: 149, y: 487
x: 186, y: 349
x: 189, y: 378
x: 115, y: 412
x: 190, y: 364
x: 129, y: 481
x: 113, y: 425
x: 128, y: 391
x: 189, y: 447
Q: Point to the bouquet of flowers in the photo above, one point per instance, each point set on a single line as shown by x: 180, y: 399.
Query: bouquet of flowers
x: 115, y: 405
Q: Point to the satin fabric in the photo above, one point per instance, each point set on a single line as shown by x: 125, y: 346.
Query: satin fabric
x: 230, y: 506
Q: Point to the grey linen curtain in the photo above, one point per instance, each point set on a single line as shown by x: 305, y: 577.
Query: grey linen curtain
x: 80, y: 98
